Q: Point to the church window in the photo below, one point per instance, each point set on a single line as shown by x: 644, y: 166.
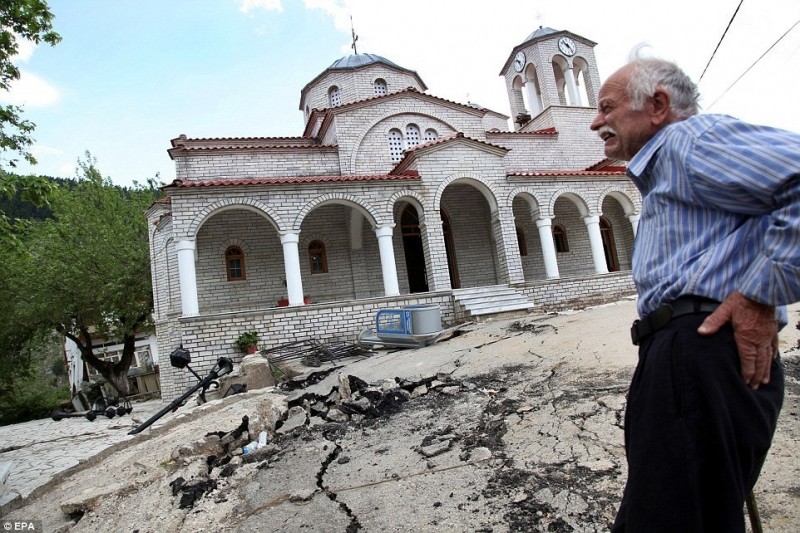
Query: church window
x: 523, y: 247
x: 318, y: 259
x: 334, y: 98
x: 380, y: 87
x: 412, y: 135
x: 395, y: 145
x: 560, y: 238
x: 234, y: 263
x: 431, y: 135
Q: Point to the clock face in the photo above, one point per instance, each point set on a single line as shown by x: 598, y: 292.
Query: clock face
x: 567, y: 46
x: 519, y: 61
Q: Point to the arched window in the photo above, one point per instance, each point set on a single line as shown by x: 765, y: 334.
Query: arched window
x: 318, y: 259
x: 523, y: 247
x: 380, y: 87
x: 412, y: 135
x: 395, y: 145
x: 560, y: 238
x: 334, y: 99
x: 234, y: 263
x: 431, y: 135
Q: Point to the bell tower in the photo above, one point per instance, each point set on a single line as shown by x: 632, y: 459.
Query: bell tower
x: 550, y: 68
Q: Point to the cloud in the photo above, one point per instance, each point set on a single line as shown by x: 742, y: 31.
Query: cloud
x: 39, y: 150
x: 245, y: 6
x: 30, y: 90
x: 25, y: 49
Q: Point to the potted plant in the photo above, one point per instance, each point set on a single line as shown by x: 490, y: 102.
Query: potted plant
x: 283, y: 302
x: 247, y: 342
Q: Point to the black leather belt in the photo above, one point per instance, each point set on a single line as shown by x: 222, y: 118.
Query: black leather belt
x: 685, y: 305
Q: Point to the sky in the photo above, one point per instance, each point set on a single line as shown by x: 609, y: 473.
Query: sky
x: 130, y: 75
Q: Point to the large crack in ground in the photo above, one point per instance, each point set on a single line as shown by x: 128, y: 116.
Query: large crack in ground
x: 354, y: 524
x: 556, y: 493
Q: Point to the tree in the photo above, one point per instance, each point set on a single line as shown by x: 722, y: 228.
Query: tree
x: 31, y: 20
x: 86, y: 272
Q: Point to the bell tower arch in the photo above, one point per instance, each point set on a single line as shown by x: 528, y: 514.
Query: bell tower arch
x: 550, y: 68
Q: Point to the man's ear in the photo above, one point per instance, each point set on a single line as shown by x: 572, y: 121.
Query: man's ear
x: 660, y: 111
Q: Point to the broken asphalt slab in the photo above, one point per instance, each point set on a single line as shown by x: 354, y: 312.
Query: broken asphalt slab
x: 514, y: 425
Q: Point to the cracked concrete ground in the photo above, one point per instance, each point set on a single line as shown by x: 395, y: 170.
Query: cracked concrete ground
x: 514, y: 425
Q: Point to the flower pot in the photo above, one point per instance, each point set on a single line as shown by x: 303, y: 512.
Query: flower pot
x: 306, y: 299
x: 251, y: 349
x: 283, y: 302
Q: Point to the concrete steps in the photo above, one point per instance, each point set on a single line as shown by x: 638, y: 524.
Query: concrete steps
x: 492, y: 300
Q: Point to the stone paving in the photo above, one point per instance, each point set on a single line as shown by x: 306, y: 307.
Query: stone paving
x: 40, y: 451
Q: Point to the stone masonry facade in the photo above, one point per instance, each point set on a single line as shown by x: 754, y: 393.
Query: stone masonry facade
x: 484, y: 200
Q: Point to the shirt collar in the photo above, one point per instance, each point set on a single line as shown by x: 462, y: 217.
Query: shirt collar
x: 641, y: 160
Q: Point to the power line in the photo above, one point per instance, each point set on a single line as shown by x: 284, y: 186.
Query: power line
x: 754, y: 64
x: 720, y: 41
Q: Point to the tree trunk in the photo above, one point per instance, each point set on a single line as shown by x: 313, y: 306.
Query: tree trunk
x: 116, y: 374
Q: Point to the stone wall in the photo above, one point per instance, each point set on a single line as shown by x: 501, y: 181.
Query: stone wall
x: 212, y: 336
x: 579, y: 291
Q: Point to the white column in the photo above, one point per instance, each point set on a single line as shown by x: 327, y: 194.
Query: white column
x: 533, y: 98
x: 291, y: 266
x: 548, y: 247
x: 596, y: 242
x: 572, y: 87
x: 188, y: 278
x: 388, y: 266
x: 634, y: 223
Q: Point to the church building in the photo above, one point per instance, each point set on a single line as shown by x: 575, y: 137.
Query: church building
x: 393, y: 197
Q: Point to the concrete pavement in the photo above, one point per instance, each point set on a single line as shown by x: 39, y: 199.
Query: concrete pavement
x: 41, y: 451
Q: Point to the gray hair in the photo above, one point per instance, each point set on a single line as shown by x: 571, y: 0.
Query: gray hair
x: 649, y: 74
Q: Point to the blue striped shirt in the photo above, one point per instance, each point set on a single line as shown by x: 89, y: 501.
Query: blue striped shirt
x: 720, y: 212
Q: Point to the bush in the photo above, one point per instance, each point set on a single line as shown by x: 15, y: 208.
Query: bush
x: 31, y: 398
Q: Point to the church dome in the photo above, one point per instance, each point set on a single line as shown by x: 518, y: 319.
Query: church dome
x: 361, y: 60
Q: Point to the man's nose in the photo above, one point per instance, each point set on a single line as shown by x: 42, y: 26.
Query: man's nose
x: 596, y: 123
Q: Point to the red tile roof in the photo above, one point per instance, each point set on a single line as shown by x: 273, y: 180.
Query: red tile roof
x: 608, y: 164
x: 449, y: 137
x: 178, y: 183
x: 611, y: 171
x: 543, y: 131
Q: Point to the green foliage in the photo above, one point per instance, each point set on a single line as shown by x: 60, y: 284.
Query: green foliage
x: 30, y: 20
x: 31, y: 398
x: 84, y: 272
x: 37, y: 390
x: 19, y: 192
x: 246, y: 340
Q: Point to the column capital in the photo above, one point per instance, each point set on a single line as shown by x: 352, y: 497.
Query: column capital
x: 544, y: 221
x: 290, y: 236
x: 185, y: 244
x: 384, y: 230
x: 591, y: 219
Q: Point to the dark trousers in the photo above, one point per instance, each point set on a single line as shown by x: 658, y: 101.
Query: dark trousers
x: 695, y: 435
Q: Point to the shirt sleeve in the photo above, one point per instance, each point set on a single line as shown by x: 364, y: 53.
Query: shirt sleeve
x: 755, y: 171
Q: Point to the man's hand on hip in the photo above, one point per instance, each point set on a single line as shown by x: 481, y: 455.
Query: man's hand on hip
x: 755, y: 331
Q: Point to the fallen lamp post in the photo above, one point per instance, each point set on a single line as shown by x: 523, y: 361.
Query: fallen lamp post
x: 180, y: 358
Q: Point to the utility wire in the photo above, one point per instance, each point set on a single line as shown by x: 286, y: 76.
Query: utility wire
x: 720, y: 41
x: 754, y: 64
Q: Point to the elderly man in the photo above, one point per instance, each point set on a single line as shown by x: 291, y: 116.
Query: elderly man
x: 716, y: 258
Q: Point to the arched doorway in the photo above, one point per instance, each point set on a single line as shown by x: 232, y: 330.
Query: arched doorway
x: 609, y: 247
x: 414, y: 252
x: 450, y: 248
